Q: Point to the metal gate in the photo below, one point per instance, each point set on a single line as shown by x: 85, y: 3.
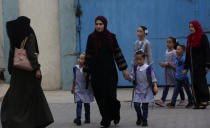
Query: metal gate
x: 163, y: 18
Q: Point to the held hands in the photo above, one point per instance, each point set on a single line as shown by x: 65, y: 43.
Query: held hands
x: 38, y: 74
x: 126, y: 75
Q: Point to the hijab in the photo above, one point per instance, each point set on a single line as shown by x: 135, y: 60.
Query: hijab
x: 18, y: 30
x: 98, y: 37
x: 195, y: 38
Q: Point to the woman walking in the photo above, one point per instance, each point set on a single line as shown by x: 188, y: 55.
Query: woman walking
x: 24, y: 105
x: 198, y: 61
x: 102, y: 52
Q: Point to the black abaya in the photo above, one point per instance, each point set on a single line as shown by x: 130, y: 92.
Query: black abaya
x: 196, y: 60
x: 24, y: 105
x: 101, y: 67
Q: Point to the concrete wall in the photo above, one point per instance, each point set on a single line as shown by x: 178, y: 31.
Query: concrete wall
x: 1, y: 38
x: 44, y: 15
x: 1, y: 23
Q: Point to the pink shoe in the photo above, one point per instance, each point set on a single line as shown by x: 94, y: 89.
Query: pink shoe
x: 160, y: 103
x: 181, y: 103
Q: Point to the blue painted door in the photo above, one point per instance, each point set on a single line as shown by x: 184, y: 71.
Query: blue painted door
x: 163, y: 18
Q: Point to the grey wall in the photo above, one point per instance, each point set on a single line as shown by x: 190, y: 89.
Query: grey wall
x: 1, y: 38
x: 44, y: 15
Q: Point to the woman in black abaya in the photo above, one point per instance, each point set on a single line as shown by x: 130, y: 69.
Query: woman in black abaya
x: 24, y: 105
x: 102, y: 52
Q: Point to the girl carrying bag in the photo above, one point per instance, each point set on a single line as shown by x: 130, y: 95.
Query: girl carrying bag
x: 21, y: 60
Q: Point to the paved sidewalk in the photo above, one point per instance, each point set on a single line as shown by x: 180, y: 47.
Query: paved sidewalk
x: 63, y: 109
x: 124, y: 94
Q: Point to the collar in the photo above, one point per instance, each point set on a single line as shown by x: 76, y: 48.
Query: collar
x: 178, y: 58
x: 143, y: 67
x: 79, y: 68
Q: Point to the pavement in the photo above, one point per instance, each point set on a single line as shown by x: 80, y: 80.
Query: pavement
x: 63, y: 109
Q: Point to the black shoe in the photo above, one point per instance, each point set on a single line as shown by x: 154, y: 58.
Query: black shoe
x: 144, y: 124
x: 116, y: 121
x: 77, y: 121
x: 105, y: 123
x: 138, y: 122
x: 87, y: 121
x: 171, y: 105
x: 189, y: 105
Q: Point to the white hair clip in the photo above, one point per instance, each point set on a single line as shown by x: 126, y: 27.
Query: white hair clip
x: 146, y: 31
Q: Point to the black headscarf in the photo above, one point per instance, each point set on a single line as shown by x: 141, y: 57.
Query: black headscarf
x: 18, y: 30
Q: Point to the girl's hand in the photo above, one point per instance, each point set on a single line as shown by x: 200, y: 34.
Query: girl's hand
x: 72, y: 91
x: 38, y: 74
x: 162, y: 64
x: 184, y: 72
x: 131, y: 69
x: 155, y: 88
x: 172, y: 65
x: 207, y: 69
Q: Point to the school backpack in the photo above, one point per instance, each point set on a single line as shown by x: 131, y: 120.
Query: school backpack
x: 74, y: 78
x: 149, y: 77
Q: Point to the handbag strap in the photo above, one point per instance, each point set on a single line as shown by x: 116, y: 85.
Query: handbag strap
x: 23, y: 43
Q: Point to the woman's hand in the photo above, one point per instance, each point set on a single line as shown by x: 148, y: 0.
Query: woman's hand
x: 184, y: 72
x: 38, y: 74
x: 126, y: 75
x: 85, y: 75
x: 207, y: 69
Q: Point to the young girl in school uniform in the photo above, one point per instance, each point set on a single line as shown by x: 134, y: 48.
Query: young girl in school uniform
x: 82, y: 93
x: 170, y: 72
x: 143, y: 44
x: 145, y: 88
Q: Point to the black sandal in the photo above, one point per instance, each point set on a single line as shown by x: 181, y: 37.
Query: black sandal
x: 200, y: 107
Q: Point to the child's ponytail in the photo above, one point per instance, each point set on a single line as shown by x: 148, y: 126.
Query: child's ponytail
x: 145, y: 29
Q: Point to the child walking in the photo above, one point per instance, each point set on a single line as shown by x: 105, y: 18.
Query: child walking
x: 143, y: 44
x: 145, y: 87
x: 82, y: 93
x: 181, y: 80
x: 170, y: 57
